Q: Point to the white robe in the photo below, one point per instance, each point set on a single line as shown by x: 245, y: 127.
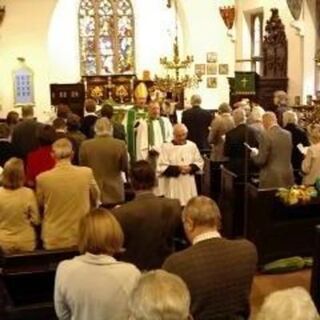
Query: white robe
x: 184, y: 186
x: 143, y: 145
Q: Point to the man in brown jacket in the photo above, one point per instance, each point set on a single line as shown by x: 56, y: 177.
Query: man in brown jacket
x: 217, y: 271
x: 148, y: 222
x: 66, y: 193
x: 107, y: 157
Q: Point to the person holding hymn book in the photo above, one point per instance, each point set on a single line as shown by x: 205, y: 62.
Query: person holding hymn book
x: 178, y: 163
x: 311, y: 162
x: 95, y: 285
x: 18, y: 210
x: 299, y: 139
x: 274, y: 155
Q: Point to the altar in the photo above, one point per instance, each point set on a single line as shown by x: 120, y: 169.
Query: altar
x: 118, y: 89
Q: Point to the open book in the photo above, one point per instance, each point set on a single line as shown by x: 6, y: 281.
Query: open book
x: 302, y: 148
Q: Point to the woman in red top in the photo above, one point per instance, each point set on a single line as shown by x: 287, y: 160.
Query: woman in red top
x: 40, y: 160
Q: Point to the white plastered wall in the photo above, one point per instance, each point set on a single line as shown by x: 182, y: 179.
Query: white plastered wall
x: 301, y: 45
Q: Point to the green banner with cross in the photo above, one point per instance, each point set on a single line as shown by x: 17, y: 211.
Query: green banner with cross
x: 245, y: 83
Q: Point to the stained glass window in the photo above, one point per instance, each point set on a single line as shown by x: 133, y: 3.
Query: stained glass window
x: 106, y: 29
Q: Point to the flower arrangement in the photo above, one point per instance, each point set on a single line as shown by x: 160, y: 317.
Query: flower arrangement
x: 297, y: 194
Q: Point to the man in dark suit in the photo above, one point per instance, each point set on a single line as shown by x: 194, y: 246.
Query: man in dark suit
x: 217, y: 271
x: 6, y: 147
x: 25, y: 133
x: 234, y: 148
x: 274, y: 155
x: 198, y: 122
x: 148, y: 222
x: 299, y: 136
x: 87, y: 126
x: 108, y: 158
x: 118, y: 129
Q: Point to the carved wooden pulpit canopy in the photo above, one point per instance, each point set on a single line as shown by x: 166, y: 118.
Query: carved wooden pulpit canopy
x: 275, y: 48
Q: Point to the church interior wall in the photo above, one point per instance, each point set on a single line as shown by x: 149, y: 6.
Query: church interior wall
x: 46, y: 34
x: 301, y: 42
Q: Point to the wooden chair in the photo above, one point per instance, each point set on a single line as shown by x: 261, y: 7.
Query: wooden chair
x: 27, y: 283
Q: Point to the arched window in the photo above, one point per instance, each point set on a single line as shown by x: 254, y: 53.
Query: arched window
x: 106, y: 30
x: 256, y: 39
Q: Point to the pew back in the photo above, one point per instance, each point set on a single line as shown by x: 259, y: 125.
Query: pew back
x: 27, y: 283
x: 279, y: 230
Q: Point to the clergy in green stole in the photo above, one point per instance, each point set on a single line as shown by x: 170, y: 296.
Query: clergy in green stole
x: 134, y: 115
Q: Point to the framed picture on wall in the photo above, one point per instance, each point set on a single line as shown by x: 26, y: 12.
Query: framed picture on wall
x: 200, y: 69
x: 212, y: 82
x: 212, y: 68
x: 223, y: 68
x: 212, y: 57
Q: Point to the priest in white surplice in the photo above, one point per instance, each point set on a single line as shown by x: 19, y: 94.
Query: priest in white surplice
x: 178, y: 162
x: 151, y: 134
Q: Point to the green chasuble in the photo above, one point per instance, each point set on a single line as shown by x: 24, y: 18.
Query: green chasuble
x: 133, y: 116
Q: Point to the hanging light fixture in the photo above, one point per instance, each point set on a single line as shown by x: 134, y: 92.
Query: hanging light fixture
x: 176, y: 68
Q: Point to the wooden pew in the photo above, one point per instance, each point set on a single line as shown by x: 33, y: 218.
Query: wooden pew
x: 278, y: 230
x: 231, y: 203
x: 315, y: 275
x: 27, y: 283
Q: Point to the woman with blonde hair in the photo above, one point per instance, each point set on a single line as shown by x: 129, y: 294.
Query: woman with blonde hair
x: 18, y: 210
x: 95, y: 285
x: 311, y: 162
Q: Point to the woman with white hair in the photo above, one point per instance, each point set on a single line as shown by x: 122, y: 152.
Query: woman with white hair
x: 160, y: 295
x: 299, y: 136
x: 311, y: 162
x: 294, y: 304
x: 255, y: 118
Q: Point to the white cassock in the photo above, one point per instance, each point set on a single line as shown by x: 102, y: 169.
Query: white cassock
x: 184, y: 186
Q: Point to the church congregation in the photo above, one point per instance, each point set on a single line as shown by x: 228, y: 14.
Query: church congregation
x: 159, y: 187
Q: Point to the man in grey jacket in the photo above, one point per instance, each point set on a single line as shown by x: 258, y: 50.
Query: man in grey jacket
x: 274, y: 155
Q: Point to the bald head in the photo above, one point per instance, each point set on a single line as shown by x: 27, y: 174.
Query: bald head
x: 180, y: 133
x: 269, y: 119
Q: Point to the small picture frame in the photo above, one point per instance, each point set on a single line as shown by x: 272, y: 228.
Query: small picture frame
x: 223, y: 68
x: 212, y: 68
x: 309, y: 100
x: 200, y: 69
x: 212, y: 82
x: 212, y: 57
x: 297, y: 100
